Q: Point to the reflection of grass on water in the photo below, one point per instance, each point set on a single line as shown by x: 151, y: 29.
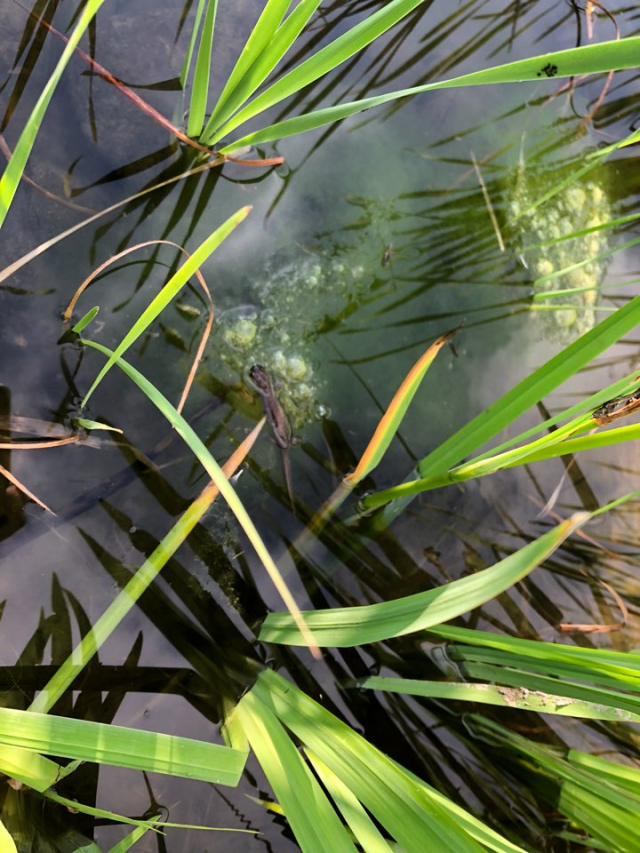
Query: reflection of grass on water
x: 375, y: 802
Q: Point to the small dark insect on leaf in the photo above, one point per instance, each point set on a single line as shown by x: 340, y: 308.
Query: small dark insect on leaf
x: 549, y: 70
x: 386, y: 257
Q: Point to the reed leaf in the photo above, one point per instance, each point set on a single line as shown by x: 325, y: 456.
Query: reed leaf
x: 198, y: 102
x: 261, y: 37
x: 143, y: 578
x: 364, y: 830
x: 7, y: 844
x: 587, y: 59
x: 589, y: 797
x: 274, y: 49
x: 523, y: 692
x: 186, y: 65
x: 170, y: 290
x: 353, y: 626
x: 212, y: 468
x: 313, y: 820
x: 135, y: 835
x: 392, y: 418
x: 597, y: 666
x: 512, y: 405
x: 122, y: 747
x: 322, y: 62
x: 13, y: 173
x: 408, y: 812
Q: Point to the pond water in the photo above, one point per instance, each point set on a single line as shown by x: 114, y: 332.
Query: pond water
x: 373, y: 238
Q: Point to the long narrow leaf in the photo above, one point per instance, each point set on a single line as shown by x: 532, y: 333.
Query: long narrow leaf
x: 143, y: 578
x: 129, y: 840
x: 552, y: 444
x: 524, y: 692
x: 12, y: 174
x: 238, y: 91
x: 313, y: 820
x: 200, y: 90
x: 123, y: 747
x: 7, y: 844
x: 407, y: 811
x: 170, y: 290
x: 595, y: 665
x: 325, y: 60
x: 354, y: 626
x: 186, y: 65
x: 392, y: 418
x: 519, y: 399
x: 31, y: 769
x: 588, y: 59
x: 260, y: 38
x: 364, y: 829
x: 212, y: 468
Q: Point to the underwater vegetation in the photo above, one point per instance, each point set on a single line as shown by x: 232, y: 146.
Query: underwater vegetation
x: 559, y: 262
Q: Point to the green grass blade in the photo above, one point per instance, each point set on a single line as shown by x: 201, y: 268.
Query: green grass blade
x: 129, y: 840
x: 13, y: 173
x: 623, y: 775
x: 586, y: 442
x: 366, y: 833
x: 103, y: 814
x: 242, y: 86
x: 212, y: 468
x: 261, y: 36
x: 128, y: 597
x: 407, y: 811
x: 119, y: 607
x: 615, y: 389
x: 574, y: 700
x: 325, y: 60
x: 588, y: 59
x: 617, y: 829
x: 170, y: 290
x: 523, y: 692
x: 483, y: 834
x: 595, y: 665
x: 519, y: 399
x: 590, y: 799
x: 354, y: 626
x: 313, y: 820
x: 186, y: 65
x: 122, y: 747
x: 200, y: 86
x: 27, y: 767
x: 7, y: 844
x: 552, y: 444
x: 83, y: 322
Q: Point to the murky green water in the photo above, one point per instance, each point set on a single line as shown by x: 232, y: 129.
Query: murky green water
x: 373, y: 239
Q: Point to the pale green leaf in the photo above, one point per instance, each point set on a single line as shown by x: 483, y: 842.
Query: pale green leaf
x: 354, y: 626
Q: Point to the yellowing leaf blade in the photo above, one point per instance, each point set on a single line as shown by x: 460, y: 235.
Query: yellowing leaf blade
x: 392, y: 418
